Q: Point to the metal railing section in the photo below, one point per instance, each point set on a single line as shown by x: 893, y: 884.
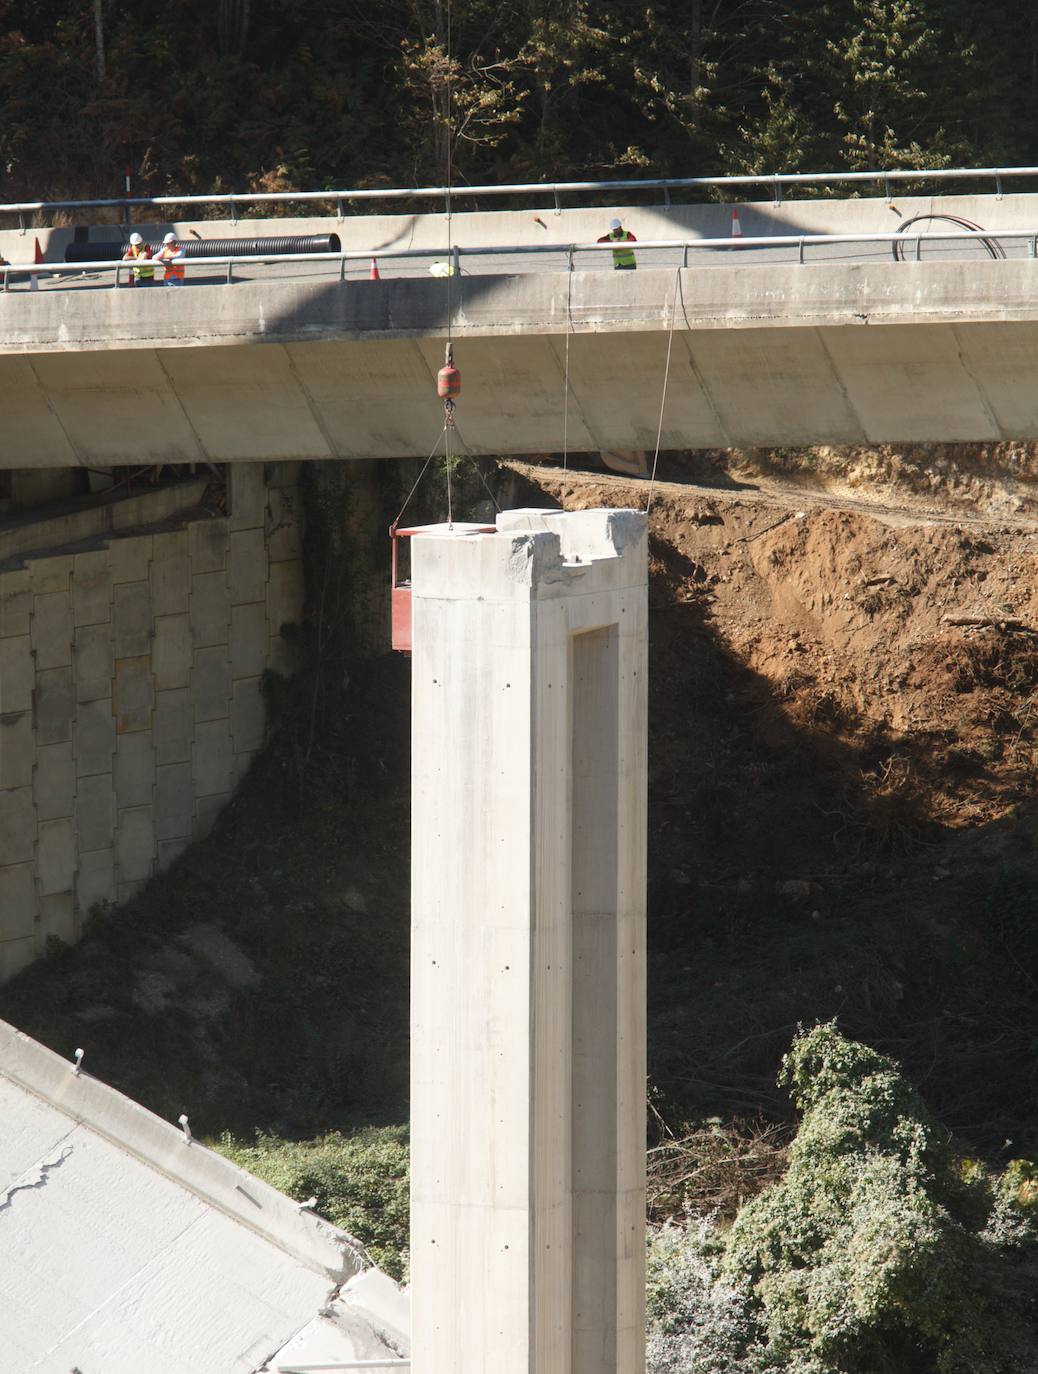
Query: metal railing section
x: 797, y: 244
x: 775, y: 183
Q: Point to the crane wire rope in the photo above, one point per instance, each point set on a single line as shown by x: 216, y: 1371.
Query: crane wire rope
x: 663, y: 398
x: 418, y: 479
x: 449, y: 355
x: 565, y: 382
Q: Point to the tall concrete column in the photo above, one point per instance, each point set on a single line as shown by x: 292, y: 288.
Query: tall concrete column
x: 528, y: 951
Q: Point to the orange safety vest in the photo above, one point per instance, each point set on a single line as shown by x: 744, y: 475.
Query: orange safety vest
x: 166, y: 257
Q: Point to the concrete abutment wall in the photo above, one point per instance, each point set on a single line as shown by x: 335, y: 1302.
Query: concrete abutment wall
x: 130, y: 701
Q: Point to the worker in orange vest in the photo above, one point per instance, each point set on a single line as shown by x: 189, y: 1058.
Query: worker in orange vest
x: 623, y: 258
x: 139, y: 253
x: 171, y: 255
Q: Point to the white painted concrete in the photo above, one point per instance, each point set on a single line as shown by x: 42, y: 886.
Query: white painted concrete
x: 528, y: 960
x: 125, y: 1248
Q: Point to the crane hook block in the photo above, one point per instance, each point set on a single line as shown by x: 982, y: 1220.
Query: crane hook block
x: 448, y: 383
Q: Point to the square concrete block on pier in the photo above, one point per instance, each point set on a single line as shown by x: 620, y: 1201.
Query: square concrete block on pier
x: 207, y: 809
x: 284, y: 595
x: 18, y: 904
x: 92, y: 662
x: 174, y: 726
x: 247, y: 493
x: 16, y: 955
x: 212, y: 758
x: 17, y: 674
x: 54, y: 782
x: 48, y: 575
x: 170, y: 573
x: 174, y: 802
x: 17, y: 826
x: 248, y: 572
x: 92, y: 588
x: 17, y: 749
x: 131, y: 619
x: 93, y: 739
x: 248, y: 715
x: 171, y: 653
x: 284, y: 524
x: 55, y: 856
x: 57, y: 919
x: 15, y: 602
x: 55, y: 705
x: 207, y: 545
x: 95, y: 880
x: 95, y: 812
x: 210, y: 609
x: 248, y: 641
x: 133, y: 694
x: 52, y: 630
x: 130, y: 558
x: 134, y: 844
x: 211, y: 684
x: 133, y: 770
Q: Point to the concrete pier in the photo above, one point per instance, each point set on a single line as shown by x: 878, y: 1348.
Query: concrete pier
x: 528, y: 962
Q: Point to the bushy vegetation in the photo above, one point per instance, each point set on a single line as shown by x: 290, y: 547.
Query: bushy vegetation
x: 200, y: 96
x: 360, y: 1182
x: 881, y: 1251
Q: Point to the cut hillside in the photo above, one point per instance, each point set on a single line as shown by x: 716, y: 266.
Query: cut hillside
x: 843, y: 735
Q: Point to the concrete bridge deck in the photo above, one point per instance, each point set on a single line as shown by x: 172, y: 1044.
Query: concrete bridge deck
x: 764, y: 354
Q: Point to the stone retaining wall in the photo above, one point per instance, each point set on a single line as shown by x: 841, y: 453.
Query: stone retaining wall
x: 130, y: 701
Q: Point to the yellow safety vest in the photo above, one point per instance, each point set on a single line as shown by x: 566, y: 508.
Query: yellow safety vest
x: 622, y: 257
x: 145, y: 269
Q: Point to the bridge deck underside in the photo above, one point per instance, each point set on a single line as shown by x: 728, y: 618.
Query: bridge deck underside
x: 885, y: 352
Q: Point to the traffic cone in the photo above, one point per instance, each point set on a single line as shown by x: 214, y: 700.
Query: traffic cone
x: 736, y: 226
x: 37, y: 256
x: 374, y: 274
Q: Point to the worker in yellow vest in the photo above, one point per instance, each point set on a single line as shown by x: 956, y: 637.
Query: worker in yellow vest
x: 171, y: 255
x: 139, y: 253
x: 623, y: 258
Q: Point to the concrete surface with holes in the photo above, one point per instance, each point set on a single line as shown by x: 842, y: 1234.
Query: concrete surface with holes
x: 125, y: 1247
x: 528, y: 946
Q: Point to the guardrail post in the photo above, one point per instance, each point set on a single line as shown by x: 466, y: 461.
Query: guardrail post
x: 886, y: 190
x: 21, y: 220
x: 7, y: 274
x: 230, y: 272
x: 569, y: 257
x: 800, y: 251
x: 342, y: 268
x: 456, y: 265
x: 666, y: 197
x: 340, y: 209
x: 234, y: 211
x: 777, y: 189
x: 558, y: 204
x: 998, y: 187
x: 684, y: 255
x: 115, y: 282
x: 918, y: 247
x: 1034, y: 245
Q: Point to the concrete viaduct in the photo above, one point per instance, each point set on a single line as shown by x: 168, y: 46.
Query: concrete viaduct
x: 136, y: 627
x: 765, y: 352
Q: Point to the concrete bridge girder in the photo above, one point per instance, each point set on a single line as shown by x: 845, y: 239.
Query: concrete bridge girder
x: 938, y: 351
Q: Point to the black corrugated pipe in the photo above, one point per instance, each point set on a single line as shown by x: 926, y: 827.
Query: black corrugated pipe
x: 214, y: 248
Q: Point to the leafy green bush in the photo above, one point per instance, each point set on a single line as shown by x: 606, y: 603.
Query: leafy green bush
x: 878, y: 1252
x: 360, y: 1182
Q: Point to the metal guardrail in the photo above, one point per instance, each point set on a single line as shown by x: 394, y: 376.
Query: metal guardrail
x: 455, y: 253
x: 774, y: 182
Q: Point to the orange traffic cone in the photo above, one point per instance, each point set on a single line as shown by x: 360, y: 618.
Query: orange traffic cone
x: 736, y: 226
x: 374, y: 274
x: 34, y: 284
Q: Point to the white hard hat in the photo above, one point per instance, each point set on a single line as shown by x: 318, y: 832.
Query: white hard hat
x: 170, y: 238
x: 615, y: 224
x: 136, y: 238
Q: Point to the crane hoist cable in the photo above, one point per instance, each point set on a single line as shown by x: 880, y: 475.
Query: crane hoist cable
x: 663, y: 398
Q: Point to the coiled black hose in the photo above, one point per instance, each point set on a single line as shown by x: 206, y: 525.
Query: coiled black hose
x: 214, y: 248
x: 993, y: 246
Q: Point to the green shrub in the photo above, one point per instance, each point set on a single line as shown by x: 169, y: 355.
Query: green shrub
x: 360, y: 1182
x: 877, y: 1253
